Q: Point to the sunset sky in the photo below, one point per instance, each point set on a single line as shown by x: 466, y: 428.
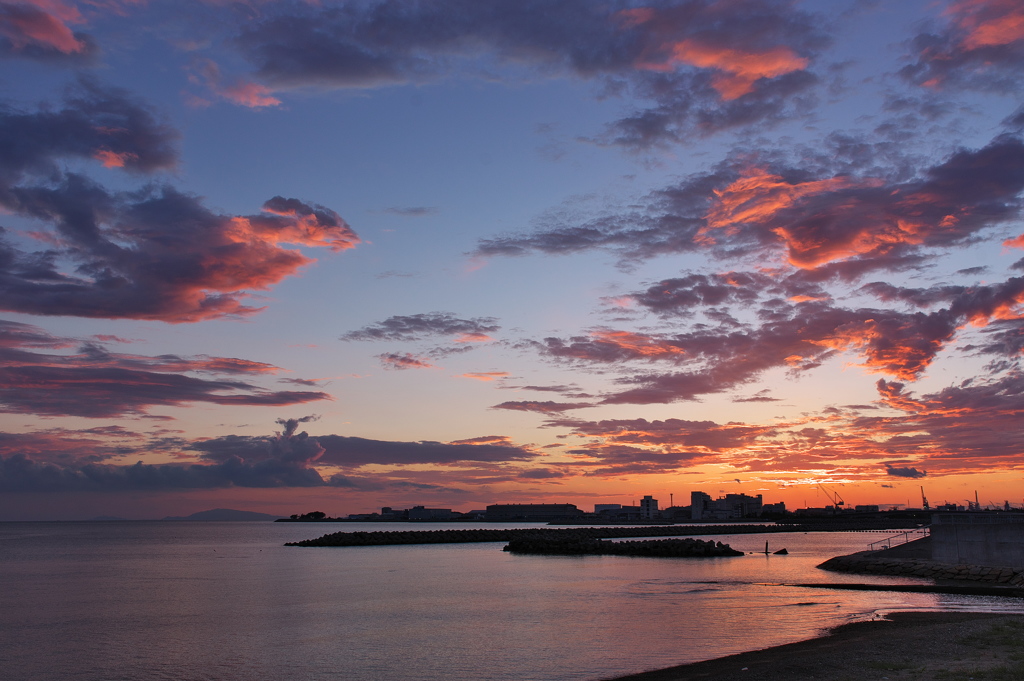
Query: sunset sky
x: 321, y: 255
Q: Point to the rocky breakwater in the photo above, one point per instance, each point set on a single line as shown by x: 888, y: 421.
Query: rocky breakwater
x: 585, y: 546
x: 495, y: 535
x: 878, y: 563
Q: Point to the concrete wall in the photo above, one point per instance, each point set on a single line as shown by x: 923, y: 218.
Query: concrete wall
x: 991, y: 539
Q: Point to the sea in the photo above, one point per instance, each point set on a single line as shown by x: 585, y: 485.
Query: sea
x: 227, y: 601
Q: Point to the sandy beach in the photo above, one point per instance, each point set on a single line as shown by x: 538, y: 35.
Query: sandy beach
x: 950, y: 646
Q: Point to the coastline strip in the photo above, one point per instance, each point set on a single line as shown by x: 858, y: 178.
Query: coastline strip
x: 911, y: 646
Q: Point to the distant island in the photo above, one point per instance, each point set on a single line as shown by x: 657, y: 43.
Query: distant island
x: 226, y: 514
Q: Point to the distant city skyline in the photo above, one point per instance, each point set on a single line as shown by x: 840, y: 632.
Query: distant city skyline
x: 285, y: 256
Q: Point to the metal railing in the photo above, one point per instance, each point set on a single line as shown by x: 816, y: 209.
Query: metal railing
x: 901, y: 538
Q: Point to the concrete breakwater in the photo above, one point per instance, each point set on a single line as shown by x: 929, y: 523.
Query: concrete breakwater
x: 654, y: 548
x: 496, y: 535
x: 871, y: 562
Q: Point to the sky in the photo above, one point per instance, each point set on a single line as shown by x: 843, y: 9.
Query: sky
x: 321, y: 255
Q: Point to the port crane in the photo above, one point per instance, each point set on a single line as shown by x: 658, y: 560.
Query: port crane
x: 924, y: 500
x: 833, y: 496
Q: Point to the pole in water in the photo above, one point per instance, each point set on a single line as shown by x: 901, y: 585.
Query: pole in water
x: 766, y: 548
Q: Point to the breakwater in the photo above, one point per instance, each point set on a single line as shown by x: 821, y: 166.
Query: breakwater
x: 652, y: 548
x: 506, y: 535
x: 870, y: 562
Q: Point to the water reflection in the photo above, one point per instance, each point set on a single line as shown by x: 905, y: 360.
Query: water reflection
x: 228, y: 601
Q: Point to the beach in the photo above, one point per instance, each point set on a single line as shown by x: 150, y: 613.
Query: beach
x: 905, y: 646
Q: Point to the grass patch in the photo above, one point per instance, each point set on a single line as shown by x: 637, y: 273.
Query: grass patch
x: 1003, y: 673
x: 1008, y: 636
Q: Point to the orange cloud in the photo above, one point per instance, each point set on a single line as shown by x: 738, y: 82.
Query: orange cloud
x: 473, y: 337
x: 741, y: 69
x: 297, y: 223
x: 895, y: 348
x: 870, y: 222
x: 756, y: 197
x: 737, y: 69
x: 112, y: 159
x: 989, y: 23
x: 1016, y: 242
x: 638, y: 345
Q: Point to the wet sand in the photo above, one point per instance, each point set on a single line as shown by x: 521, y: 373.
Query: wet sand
x: 906, y: 646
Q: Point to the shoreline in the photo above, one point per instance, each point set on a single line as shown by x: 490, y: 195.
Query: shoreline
x: 906, y: 645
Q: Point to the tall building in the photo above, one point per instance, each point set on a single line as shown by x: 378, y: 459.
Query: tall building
x: 699, y: 503
x: 648, y: 507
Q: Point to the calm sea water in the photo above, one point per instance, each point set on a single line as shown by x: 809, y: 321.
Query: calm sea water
x: 227, y: 602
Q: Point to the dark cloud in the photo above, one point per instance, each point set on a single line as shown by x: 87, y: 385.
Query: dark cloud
x: 706, y: 66
x: 547, y: 407
x: 761, y: 396
x: 570, y: 391
x: 541, y: 474
x: 152, y: 254
x: 838, y: 223
x: 419, y: 326
x: 688, y: 104
x: 96, y: 122
x: 413, y: 211
x: 64, y: 446
x: 83, y: 391
x: 403, y: 360
x: 18, y: 473
x: 94, y: 383
x: 961, y: 428
x: 160, y: 255
x: 288, y: 458
x: 904, y: 472
x: 980, y: 46
x: 352, y: 452
x: 797, y: 333
x: 706, y: 436
x: 699, y: 290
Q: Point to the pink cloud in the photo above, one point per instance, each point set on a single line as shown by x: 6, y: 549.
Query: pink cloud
x: 247, y: 93
x: 41, y: 23
x: 485, y: 375
x: 988, y: 23
x: 207, y: 73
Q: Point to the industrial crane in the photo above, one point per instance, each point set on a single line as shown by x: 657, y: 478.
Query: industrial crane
x: 837, y: 501
x: 924, y: 500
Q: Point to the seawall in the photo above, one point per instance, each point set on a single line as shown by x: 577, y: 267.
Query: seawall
x: 988, y: 539
x: 876, y: 563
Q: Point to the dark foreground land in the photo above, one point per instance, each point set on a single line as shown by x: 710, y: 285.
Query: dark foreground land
x: 909, y: 646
